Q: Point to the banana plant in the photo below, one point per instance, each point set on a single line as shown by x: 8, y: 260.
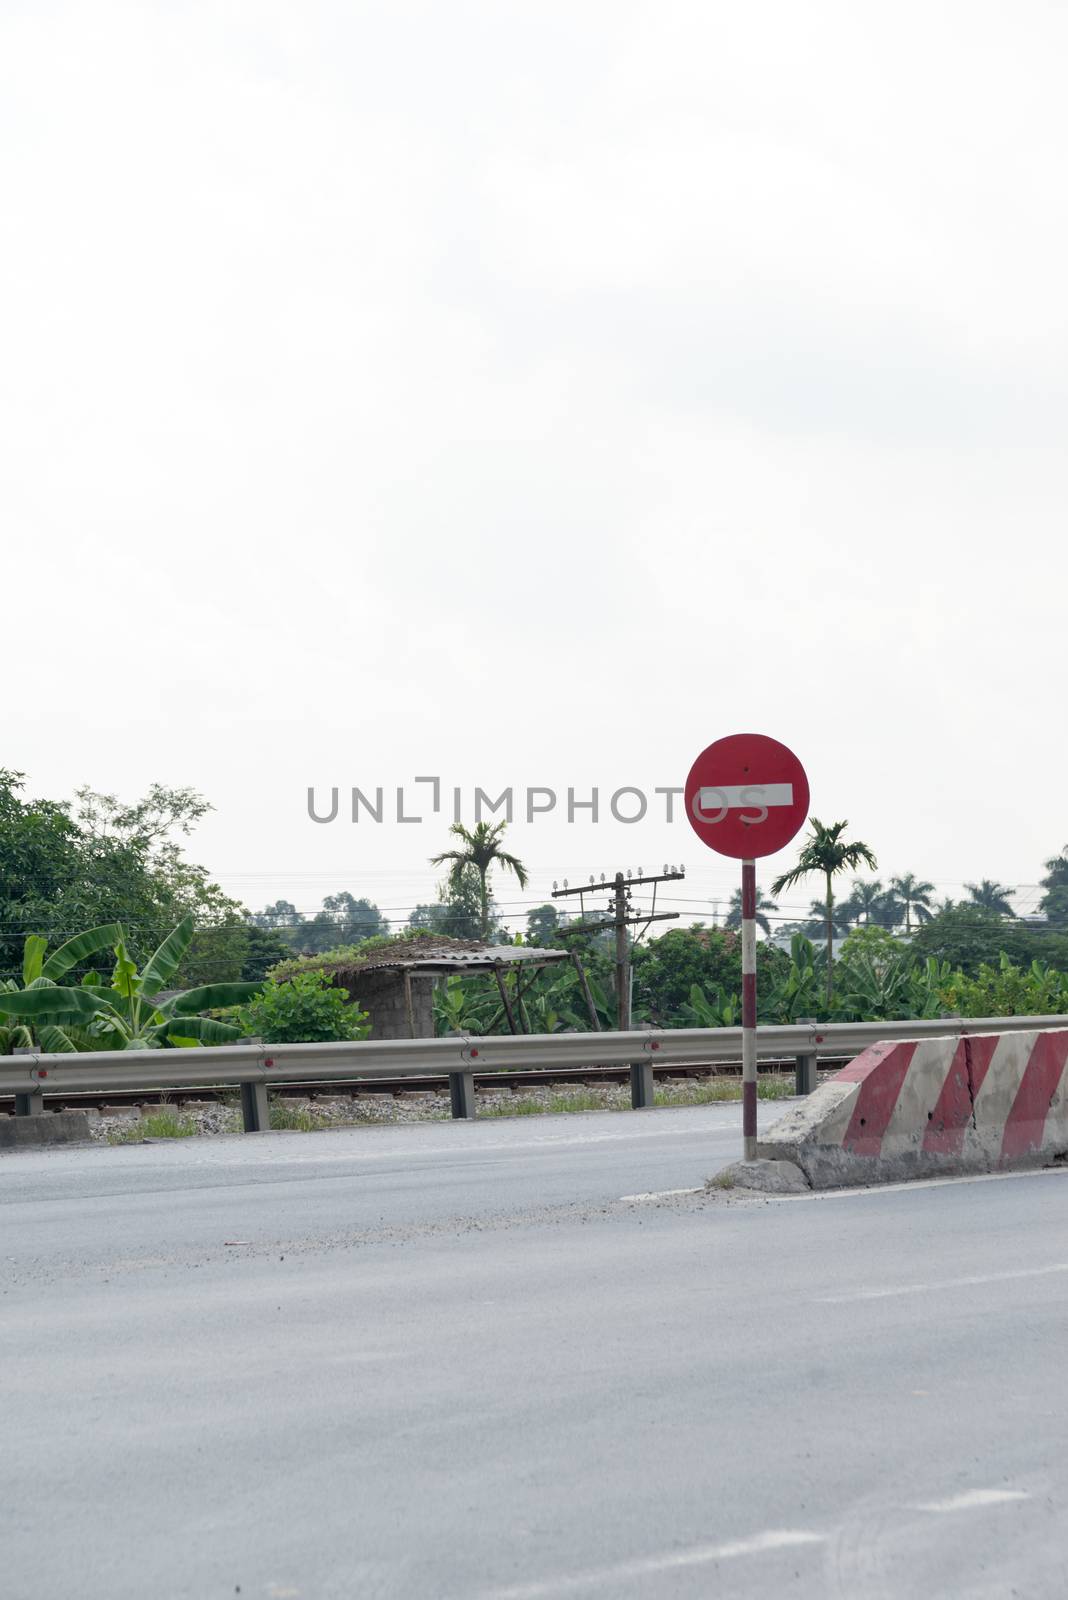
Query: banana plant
x: 604, y: 1003
x: 128, y: 1014
x: 797, y: 992
x: 461, y: 1006
x: 701, y: 1012
x: 41, y: 974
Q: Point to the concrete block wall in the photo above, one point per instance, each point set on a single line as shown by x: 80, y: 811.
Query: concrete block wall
x: 381, y: 994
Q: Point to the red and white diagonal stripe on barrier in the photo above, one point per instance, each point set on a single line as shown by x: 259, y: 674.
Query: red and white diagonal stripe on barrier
x: 932, y: 1106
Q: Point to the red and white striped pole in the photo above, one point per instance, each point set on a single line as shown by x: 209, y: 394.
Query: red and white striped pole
x: 749, y: 1011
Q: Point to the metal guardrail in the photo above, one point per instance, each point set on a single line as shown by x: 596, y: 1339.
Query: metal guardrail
x: 253, y: 1066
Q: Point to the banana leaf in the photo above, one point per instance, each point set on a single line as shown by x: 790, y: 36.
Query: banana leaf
x: 33, y: 957
x: 161, y: 967
x: 16, y: 1038
x: 54, y: 1041
x: 209, y: 997
x: 50, y: 1001
x: 83, y: 944
x: 186, y: 1031
x: 124, y: 979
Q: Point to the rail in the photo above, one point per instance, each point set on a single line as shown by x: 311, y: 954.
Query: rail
x: 253, y: 1066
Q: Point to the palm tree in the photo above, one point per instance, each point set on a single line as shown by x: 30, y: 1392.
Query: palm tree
x: 817, y: 919
x: 827, y: 852
x: 734, y: 914
x: 869, y: 902
x: 914, y: 896
x: 991, y: 896
x: 481, y: 851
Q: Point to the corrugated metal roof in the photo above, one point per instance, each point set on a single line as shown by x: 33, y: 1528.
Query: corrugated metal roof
x: 474, y: 959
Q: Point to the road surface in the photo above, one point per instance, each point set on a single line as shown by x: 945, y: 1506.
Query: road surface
x: 496, y: 1362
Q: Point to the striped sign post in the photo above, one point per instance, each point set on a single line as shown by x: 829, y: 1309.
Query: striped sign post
x: 747, y: 796
x: 749, y: 1011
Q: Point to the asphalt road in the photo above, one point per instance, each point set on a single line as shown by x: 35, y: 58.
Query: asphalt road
x: 463, y: 1361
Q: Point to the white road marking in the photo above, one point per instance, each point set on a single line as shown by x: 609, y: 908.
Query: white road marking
x: 656, y: 1194
x: 974, y: 1499
x: 945, y: 1283
x: 670, y: 1561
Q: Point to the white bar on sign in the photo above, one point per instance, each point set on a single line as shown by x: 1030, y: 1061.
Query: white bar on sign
x: 748, y: 795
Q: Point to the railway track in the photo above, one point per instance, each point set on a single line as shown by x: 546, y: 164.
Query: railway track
x: 334, y: 1089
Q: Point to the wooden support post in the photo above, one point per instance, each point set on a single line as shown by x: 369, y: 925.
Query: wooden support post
x: 595, y: 1021
x: 504, y: 1000
x: 408, y: 1006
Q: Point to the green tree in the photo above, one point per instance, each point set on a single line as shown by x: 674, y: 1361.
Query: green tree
x: 915, y: 896
x: 66, y: 866
x: 542, y: 924
x: 827, y: 853
x: 667, y: 970
x: 816, y: 926
x: 870, y: 905
x: 1054, y: 903
x: 354, y: 919
x: 480, y: 851
x: 991, y: 896
x: 734, y: 912
x: 281, y: 915
x: 968, y: 936
x: 456, y: 913
x: 342, y: 921
x: 263, y: 950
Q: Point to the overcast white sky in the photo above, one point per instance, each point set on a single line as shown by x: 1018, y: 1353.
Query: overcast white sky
x: 530, y: 393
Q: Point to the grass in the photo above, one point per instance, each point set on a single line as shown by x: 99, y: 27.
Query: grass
x: 297, y: 1119
x: 526, y: 1106
x: 167, y: 1123
x: 695, y: 1092
x: 163, y: 1124
x: 716, y: 1091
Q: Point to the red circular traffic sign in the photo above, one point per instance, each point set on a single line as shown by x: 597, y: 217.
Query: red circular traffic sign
x: 746, y: 796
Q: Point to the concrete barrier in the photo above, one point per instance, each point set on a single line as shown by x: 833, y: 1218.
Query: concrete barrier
x: 930, y: 1108
x: 49, y: 1127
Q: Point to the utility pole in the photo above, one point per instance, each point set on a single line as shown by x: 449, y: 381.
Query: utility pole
x: 622, y: 917
x: 619, y: 900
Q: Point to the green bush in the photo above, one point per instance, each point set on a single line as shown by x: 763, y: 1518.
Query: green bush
x: 303, y: 1010
x: 1008, y: 990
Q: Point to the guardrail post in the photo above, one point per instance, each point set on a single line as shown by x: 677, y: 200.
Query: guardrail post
x: 642, y: 1086
x: 642, y: 1089
x: 254, y: 1108
x: 806, y: 1073
x: 31, y: 1103
x: 462, y: 1093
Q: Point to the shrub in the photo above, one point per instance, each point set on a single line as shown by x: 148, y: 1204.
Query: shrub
x: 303, y: 1010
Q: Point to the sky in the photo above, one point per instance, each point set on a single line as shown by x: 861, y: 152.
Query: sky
x: 529, y: 394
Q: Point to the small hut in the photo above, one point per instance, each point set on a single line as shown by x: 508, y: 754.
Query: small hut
x: 394, y: 984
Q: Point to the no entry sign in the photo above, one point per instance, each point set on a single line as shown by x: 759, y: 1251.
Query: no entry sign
x: 746, y: 796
